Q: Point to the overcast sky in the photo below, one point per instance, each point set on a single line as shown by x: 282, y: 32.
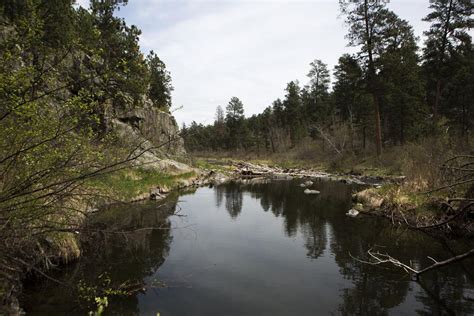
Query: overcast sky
x: 216, y: 49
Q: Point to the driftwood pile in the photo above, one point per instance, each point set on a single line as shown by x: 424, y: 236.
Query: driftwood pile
x: 250, y: 170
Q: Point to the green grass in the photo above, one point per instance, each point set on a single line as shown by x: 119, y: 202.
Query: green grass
x: 129, y: 183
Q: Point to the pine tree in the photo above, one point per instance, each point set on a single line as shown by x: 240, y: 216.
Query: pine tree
x: 403, y: 106
x: 370, y: 27
x: 235, y: 123
x: 293, y: 112
x: 220, y: 128
x: 122, y: 65
x: 316, y: 94
x: 160, y: 87
x: 450, y: 20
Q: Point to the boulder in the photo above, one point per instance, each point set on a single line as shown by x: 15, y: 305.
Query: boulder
x: 164, y: 189
x: 141, y: 197
x: 352, y: 212
x: 306, y: 184
x: 308, y: 191
x: 155, y: 194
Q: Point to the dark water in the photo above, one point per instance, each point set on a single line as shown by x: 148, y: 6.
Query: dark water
x: 256, y: 249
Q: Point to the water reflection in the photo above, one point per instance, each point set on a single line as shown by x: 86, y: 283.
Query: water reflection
x: 233, y: 199
x: 245, y: 261
x: 375, y: 290
x: 286, y: 199
x: 123, y: 245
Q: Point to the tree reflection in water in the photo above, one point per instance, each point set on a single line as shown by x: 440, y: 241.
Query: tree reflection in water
x: 233, y: 199
x: 321, y: 220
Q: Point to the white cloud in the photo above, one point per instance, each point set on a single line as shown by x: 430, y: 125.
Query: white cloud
x: 249, y: 49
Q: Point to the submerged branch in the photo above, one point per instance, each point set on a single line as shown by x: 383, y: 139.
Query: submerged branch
x: 383, y: 258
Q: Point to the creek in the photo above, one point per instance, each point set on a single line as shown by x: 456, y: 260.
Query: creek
x: 256, y: 247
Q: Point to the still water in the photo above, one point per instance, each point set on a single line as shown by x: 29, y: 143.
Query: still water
x: 255, y: 248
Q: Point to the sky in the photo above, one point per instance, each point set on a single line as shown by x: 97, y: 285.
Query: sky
x: 217, y: 49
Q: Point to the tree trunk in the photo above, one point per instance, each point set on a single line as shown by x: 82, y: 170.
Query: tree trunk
x: 437, y: 98
x: 351, y: 126
x: 363, y: 137
x: 272, y: 142
x: 465, y: 121
x: 402, y: 126
x: 378, y: 129
x: 444, y: 42
x: 372, y: 79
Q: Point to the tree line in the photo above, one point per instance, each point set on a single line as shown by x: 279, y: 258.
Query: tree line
x: 95, y: 50
x: 390, y: 92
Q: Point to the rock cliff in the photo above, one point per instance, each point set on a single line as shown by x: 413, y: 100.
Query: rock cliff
x: 156, y: 131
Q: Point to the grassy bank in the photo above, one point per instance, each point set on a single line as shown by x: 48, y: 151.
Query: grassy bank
x: 124, y: 185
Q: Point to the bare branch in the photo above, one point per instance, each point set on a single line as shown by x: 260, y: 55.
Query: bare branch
x: 384, y: 258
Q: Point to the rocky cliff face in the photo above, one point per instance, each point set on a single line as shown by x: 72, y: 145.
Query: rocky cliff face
x: 159, y: 129
x: 153, y: 130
